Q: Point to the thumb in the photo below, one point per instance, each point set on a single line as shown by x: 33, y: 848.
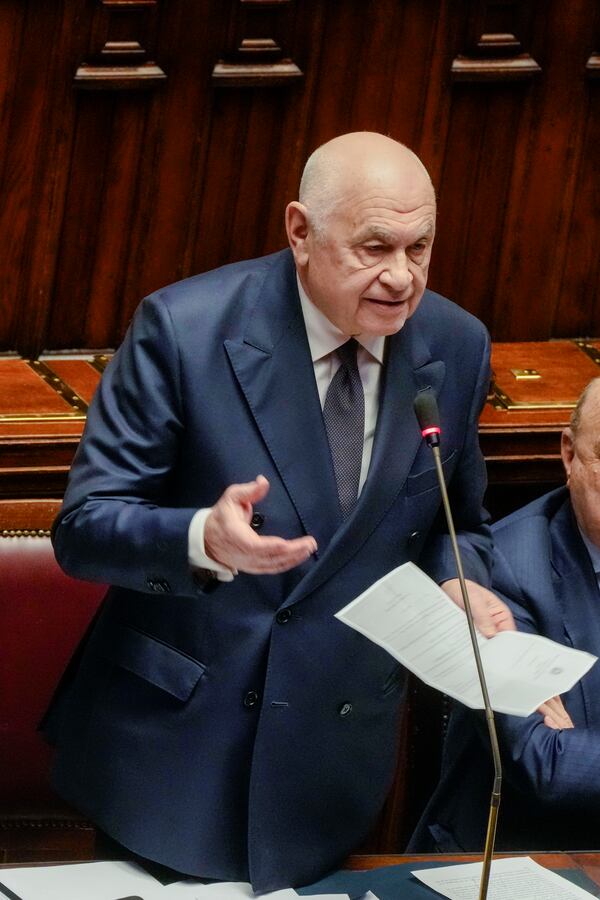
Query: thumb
x: 249, y: 492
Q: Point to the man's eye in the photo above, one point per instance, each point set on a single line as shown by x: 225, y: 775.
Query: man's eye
x: 374, y: 248
x: 419, y: 248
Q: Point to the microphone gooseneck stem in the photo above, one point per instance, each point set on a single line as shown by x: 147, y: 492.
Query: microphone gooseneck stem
x: 489, y: 713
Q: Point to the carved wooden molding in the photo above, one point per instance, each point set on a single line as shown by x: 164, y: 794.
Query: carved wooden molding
x: 255, y: 55
x: 130, y: 4
x: 592, y: 66
x: 515, y: 68
x: 255, y: 74
x: 122, y: 42
x: 494, y: 43
x: 147, y: 75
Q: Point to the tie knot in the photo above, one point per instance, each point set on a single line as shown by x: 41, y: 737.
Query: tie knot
x: 347, y: 353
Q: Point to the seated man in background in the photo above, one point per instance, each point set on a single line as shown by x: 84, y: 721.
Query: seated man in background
x: 547, y: 566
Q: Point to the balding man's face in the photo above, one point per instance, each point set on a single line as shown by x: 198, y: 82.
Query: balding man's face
x: 581, y: 458
x: 369, y: 271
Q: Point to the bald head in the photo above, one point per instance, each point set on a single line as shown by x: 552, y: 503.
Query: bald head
x: 362, y: 232
x: 589, y: 399
x: 360, y: 158
x: 580, y: 451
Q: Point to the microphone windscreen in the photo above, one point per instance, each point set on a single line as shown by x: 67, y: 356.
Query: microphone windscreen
x: 426, y: 410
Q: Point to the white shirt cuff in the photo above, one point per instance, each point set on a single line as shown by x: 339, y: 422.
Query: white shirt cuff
x: 197, y: 556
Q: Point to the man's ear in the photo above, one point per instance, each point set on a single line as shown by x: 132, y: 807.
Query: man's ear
x: 296, y: 225
x: 567, y: 449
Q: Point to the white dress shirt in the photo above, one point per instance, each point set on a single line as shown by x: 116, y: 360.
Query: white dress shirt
x: 323, y: 339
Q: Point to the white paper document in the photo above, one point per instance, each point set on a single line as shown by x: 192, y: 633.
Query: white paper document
x: 517, y: 878
x: 407, y: 614
x: 92, y: 881
x: 123, y: 881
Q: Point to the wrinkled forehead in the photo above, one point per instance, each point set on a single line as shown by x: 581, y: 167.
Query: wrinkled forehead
x: 405, y: 187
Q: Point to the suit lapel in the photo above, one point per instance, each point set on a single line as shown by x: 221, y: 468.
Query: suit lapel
x: 274, y: 370
x: 576, y: 590
x: 408, y: 369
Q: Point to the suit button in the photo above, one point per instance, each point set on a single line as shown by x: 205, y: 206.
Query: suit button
x: 158, y: 585
x: 283, y: 616
x: 251, y: 699
x: 257, y: 521
x: 345, y: 709
x: 414, y: 536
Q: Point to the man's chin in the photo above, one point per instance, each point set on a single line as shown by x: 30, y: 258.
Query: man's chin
x: 387, y: 322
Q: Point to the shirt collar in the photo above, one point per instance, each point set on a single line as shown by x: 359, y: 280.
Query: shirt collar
x: 593, y: 550
x: 324, y: 337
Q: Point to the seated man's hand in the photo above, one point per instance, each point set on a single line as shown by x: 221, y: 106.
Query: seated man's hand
x: 229, y: 539
x: 555, y: 715
x: 490, y: 613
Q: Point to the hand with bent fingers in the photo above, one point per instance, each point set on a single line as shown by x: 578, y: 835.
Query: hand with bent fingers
x: 490, y: 613
x: 555, y: 715
x: 229, y: 538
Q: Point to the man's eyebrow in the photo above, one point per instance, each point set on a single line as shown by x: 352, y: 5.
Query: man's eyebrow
x: 426, y: 233
x: 381, y: 234
x: 376, y: 232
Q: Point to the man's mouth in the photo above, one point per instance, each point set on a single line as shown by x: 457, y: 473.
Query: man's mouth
x: 388, y: 303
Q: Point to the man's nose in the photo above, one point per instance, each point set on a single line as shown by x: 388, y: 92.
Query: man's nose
x: 396, y: 273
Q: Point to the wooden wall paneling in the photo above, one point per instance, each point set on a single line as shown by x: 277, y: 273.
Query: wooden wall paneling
x: 498, y: 33
x: 432, y: 74
x: 56, y: 34
x: 412, y: 72
x: 382, y: 42
x: 120, y: 56
x: 578, y: 311
x: 84, y: 200
x: 296, y: 139
x: 221, y: 179
x: 472, y: 193
x: 13, y: 180
x: 256, y: 50
x: 263, y: 144
x: 478, y: 153
x: 114, y: 233
x: 171, y: 166
x: 541, y: 195
x: 344, y: 31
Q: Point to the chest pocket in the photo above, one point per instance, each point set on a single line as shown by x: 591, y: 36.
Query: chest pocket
x: 427, y: 480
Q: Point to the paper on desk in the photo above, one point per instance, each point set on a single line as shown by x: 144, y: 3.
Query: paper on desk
x: 123, y: 881
x: 229, y: 890
x: 92, y: 881
x: 407, y: 614
x: 517, y: 878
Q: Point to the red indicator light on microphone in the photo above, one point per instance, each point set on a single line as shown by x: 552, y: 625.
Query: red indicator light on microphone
x: 435, y: 429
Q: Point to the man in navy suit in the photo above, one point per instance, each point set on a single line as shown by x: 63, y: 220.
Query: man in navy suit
x: 547, y: 567
x: 220, y: 720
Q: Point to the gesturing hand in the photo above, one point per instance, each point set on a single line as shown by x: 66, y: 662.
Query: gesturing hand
x: 230, y: 540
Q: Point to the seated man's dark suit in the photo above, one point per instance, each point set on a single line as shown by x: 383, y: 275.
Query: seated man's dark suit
x: 551, y: 789
x: 243, y: 732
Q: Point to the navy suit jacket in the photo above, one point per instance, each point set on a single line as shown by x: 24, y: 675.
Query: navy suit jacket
x: 551, y: 790
x: 243, y: 732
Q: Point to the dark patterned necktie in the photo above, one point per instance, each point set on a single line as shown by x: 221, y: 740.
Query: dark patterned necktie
x: 344, y: 414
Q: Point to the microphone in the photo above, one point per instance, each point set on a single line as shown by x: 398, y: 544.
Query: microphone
x: 428, y: 417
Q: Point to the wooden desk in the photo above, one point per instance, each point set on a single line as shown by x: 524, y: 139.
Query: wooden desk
x: 43, y: 405
x: 588, y: 862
